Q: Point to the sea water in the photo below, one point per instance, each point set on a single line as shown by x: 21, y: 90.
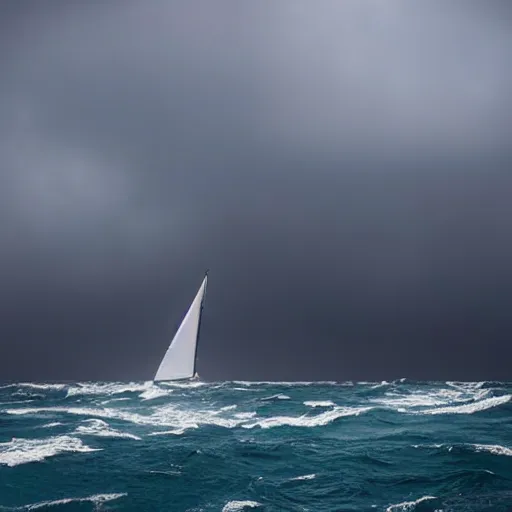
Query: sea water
x: 235, y: 446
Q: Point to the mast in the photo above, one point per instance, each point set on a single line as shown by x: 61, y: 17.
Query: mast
x: 200, y: 318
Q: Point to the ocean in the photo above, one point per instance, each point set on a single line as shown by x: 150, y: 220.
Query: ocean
x: 239, y: 446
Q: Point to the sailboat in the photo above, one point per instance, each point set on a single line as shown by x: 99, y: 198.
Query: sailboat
x: 179, y: 362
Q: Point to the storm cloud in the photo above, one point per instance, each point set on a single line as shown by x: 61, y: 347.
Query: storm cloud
x: 343, y: 169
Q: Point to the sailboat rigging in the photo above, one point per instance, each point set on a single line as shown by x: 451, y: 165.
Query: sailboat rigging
x: 180, y: 360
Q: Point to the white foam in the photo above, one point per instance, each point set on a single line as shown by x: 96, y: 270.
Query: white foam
x: 428, y: 445
x: 495, y: 449
x: 31, y: 385
x: 97, y: 499
x: 156, y: 392
x: 79, y: 411
x: 319, y: 403
x: 124, y: 399
x: 286, y: 383
x: 175, y: 432
x: 228, y: 408
x: 245, y: 415
x: 109, y: 388
x: 100, y: 428
x: 239, y: 506
x: 177, y: 417
x: 408, y: 505
x: 465, y: 385
x: 431, y: 398
x: 52, y: 424
x: 16, y: 402
x: 308, y: 421
x: 174, y: 416
x: 304, y: 477
x: 382, y: 384
x: 21, y: 451
x: 279, y: 396
x: 166, y: 416
x: 470, y: 408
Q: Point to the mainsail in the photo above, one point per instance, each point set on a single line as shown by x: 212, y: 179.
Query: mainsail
x: 180, y: 359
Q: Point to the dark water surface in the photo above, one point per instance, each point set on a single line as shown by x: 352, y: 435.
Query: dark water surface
x: 227, y: 447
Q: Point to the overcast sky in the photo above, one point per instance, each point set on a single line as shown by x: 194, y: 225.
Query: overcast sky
x: 343, y: 168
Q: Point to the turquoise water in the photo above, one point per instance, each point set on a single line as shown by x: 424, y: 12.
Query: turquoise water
x: 227, y: 447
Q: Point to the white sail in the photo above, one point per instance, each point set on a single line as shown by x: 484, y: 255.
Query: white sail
x: 179, y: 360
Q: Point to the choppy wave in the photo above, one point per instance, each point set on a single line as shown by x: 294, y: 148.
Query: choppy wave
x: 239, y: 506
x: 107, y: 389
x: 409, y: 505
x: 21, y: 451
x: 307, y: 421
x: 279, y: 396
x: 470, y: 408
x: 388, y: 446
x: 319, y: 403
x: 304, y: 477
x: 495, y: 449
x: 95, y: 427
x: 97, y: 500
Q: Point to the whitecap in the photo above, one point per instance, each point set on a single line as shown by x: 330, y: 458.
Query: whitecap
x: 32, y: 385
x: 465, y: 385
x: 175, y: 432
x: 97, y: 499
x: 16, y: 402
x: 470, y: 408
x: 286, y: 383
x: 308, y: 421
x: 382, y: 384
x: 428, y: 445
x: 245, y: 415
x: 319, y: 403
x: 52, y: 424
x: 174, y: 416
x: 228, y: 408
x: 279, y: 396
x: 21, y: 451
x: 108, y: 388
x: 239, y: 506
x: 495, y: 449
x: 408, y: 505
x: 304, y: 477
x: 156, y: 392
x: 431, y: 398
x: 124, y: 399
x: 167, y: 416
x: 100, y: 428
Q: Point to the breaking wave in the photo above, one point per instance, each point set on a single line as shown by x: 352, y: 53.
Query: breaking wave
x: 409, y: 505
x: 239, y: 506
x: 97, y: 500
x: 386, y: 446
x: 22, y: 451
x: 95, y: 427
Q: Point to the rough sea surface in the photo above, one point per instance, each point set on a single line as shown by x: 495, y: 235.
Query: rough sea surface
x: 227, y: 447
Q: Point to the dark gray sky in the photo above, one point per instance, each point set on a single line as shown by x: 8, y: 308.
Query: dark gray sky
x: 343, y: 169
